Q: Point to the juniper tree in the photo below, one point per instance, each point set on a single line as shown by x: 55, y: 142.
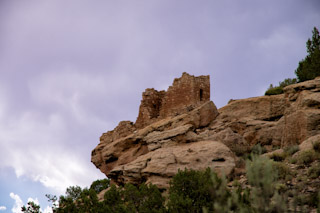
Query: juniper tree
x: 309, y: 68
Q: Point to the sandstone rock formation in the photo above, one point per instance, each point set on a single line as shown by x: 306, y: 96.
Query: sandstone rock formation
x: 181, y: 128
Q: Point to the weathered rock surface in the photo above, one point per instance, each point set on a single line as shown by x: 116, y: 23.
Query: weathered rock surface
x: 181, y: 128
x: 172, y: 131
x: 279, y: 120
x: 158, y: 166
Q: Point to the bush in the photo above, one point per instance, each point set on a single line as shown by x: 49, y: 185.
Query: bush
x: 282, y: 169
x: 197, y: 191
x: 278, y: 156
x: 262, y: 176
x: 113, y: 201
x: 293, y: 160
x: 314, y: 171
x: 306, y: 157
x: 291, y: 149
x: 191, y: 190
x: 279, y: 89
x: 143, y: 199
x: 258, y: 149
x: 287, y: 82
x: 274, y: 90
x: 311, y: 199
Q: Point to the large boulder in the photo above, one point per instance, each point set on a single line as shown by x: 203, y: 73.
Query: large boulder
x: 159, y: 166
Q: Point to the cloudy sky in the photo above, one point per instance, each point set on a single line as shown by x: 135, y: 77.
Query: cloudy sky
x: 71, y: 70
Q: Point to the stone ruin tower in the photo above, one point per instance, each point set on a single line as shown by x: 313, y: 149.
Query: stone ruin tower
x: 185, y: 94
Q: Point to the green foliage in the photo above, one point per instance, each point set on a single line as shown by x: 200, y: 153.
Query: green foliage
x: 306, y: 157
x: 113, y: 201
x: 282, y: 170
x: 311, y: 199
x: 66, y: 205
x: 314, y: 171
x: 145, y: 198
x: 276, y: 90
x: 31, y: 208
x: 290, y: 150
x: 88, y: 201
x: 258, y: 149
x: 262, y: 176
x: 278, y: 156
x: 309, y: 68
x: 287, y: 82
x: 190, y: 191
x: 197, y: 191
x: 100, y: 185
x: 53, y: 199
x: 73, y: 192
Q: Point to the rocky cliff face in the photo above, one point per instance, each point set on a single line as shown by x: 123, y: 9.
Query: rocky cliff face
x: 181, y: 128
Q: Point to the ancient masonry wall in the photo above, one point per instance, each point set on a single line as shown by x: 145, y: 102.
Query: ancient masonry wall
x: 185, y: 94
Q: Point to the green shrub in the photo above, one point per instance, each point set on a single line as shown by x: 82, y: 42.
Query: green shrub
x: 274, y: 90
x: 258, y: 149
x: 314, y: 171
x: 306, y: 157
x: 287, y: 82
x: 278, y: 156
x: 293, y: 160
x: 262, y: 176
x: 290, y: 150
x: 282, y: 169
x: 191, y: 190
x: 143, y: 199
x: 113, y: 201
x: 311, y: 199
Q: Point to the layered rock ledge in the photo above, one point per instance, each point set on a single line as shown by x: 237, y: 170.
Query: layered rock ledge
x: 181, y: 128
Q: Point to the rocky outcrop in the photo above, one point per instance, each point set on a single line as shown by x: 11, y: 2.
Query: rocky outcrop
x: 170, y: 132
x: 181, y: 128
x: 160, y: 165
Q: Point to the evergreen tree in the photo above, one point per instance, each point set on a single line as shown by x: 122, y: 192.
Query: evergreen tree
x: 193, y: 191
x: 309, y: 68
x: 31, y: 208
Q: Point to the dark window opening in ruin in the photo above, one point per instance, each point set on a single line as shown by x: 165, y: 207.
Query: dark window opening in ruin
x: 218, y: 160
x: 201, y: 94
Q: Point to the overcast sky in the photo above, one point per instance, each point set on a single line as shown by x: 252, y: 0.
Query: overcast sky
x: 71, y: 70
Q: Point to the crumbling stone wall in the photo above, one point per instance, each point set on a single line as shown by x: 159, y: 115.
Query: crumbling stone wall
x: 185, y: 94
x: 150, y: 107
